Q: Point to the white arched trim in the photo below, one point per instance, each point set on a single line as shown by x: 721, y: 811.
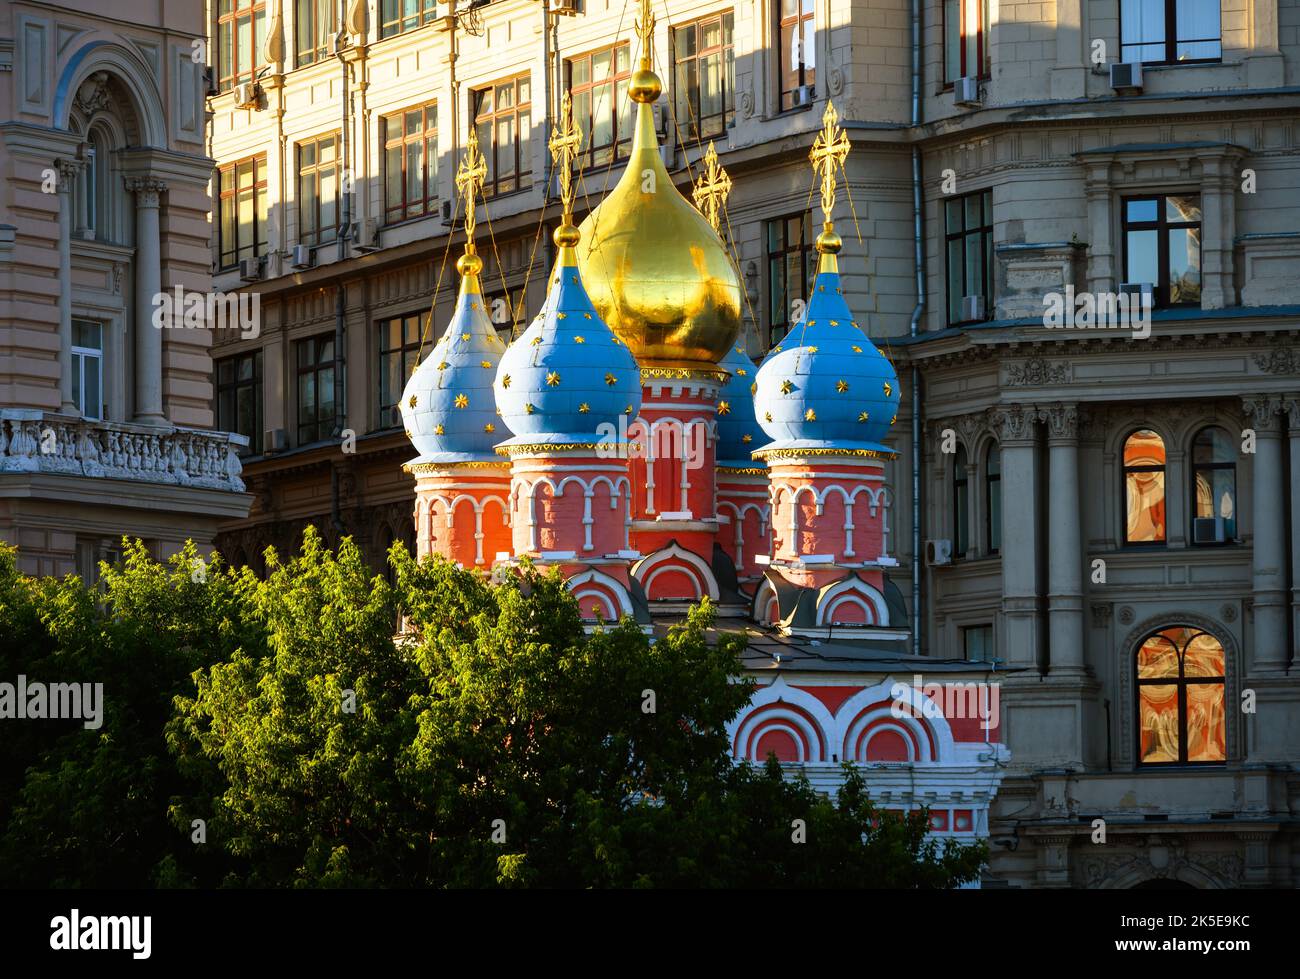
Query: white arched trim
x: 126, y: 67
x: 864, y: 592
x: 673, y: 557
x: 853, y: 716
x: 790, y: 706
x: 608, y: 590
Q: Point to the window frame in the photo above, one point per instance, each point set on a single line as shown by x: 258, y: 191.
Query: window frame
x: 983, y: 47
x: 1125, y: 469
x: 521, y: 179
x: 1182, y: 682
x: 428, y: 204
x: 1171, y: 40
x: 316, y: 367
x: 385, y: 354
x: 618, y: 82
x: 984, y: 231
x: 807, y: 73
x: 685, y: 94
x: 258, y: 247
x: 808, y: 249
x: 1195, y: 468
x: 317, y: 51
x: 319, y: 235
x: 228, y: 21
x: 980, y: 627
x: 81, y: 355
x: 961, y: 502
x: 1162, y: 226
x: 992, y: 482
x: 397, y: 24
x: 233, y: 387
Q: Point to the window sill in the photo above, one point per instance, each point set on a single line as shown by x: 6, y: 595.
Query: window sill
x: 415, y: 219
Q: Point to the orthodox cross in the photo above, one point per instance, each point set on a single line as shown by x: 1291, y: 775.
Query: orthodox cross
x: 829, y: 150
x: 565, y: 145
x: 469, y: 180
x: 644, y: 26
x: 712, y: 187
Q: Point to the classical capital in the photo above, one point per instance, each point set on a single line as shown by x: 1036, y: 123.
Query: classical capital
x: 67, y: 170
x: 1014, y: 423
x: 1062, y: 421
x: 146, y: 189
x: 1291, y: 406
x: 1263, y: 412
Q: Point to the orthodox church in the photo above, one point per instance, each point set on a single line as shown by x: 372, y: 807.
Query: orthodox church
x: 626, y: 439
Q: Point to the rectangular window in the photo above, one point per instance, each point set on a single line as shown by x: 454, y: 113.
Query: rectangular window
x: 1169, y: 32
x: 410, y: 141
x: 239, y: 397
x: 316, y: 388
x: 966, y: 40
x: 601, y: 105
x: 399, y: 349
x: 318, y: 189
x: 241, y: 211
x: 314, y: 28
x: 406, y: 15
x: 968, y: 233
x: 241, y: 32
x: 796, y: 44
x: 503, y: 315
x: 1162, y: 246
x: 791, y: 265
x: 502, y: 114
x: 88, y: 368
x: 977, y: 643
x: 704, y: 76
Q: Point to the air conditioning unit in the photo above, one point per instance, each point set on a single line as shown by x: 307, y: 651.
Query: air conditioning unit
x: 1126, y: 75
x: 966, y: 91
x: 972, y: 308
x: 246, y: 95
x: 365, y: 235
x: 938, y: 553
x: 274, y: 440
x: 566, y: 8
x: 250, y: 269
x: 803, y: 95
x: 302, y: 257
x: 1210, y: 530
x: 668, y: 153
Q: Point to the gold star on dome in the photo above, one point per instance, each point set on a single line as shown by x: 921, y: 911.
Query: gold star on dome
x: 611, y: 380
x: 888, y: 389
x: 738, y: 350
x: 812, y: 322
x: 464, y: 338
x: 584, y: 408
x: 573, y: 279
x: 412, y: 402
x: 894, y: 419
x: 473, y: 305
x: 505, y: 381
x: 461, y: 401
x: 753, y: 388
x: 627, y: 410
x: 857, y: 349
x: 786, y: 387
x: 535, y: 341
x: 776, y: 349
x: 812, y: 350
x: 863, y: 416
x: 560, y: 316
x: 767, y: 416
x: 810, y: 415
x: 724, y: 408
x: 485, y: 363
x: 747, y: 439
x: 442, y: 366
x: 437, y: 430
x: 579, y: 339
x: 586, y: 316
x: 553, y: 379
x: 742, y: 372
x: 408, y: 433
x: 529, y: 409
x: 835, y: 322
x: 841, y: 386
x: 489, y: 428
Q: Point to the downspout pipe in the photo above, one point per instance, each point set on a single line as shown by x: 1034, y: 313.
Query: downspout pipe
x: 918, y: 243
x: 342, y: 233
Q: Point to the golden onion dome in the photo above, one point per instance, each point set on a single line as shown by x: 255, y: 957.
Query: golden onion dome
x: 655, y: 269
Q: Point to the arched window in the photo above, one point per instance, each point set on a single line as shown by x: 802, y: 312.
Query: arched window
x: 993, y: 500
x: 1214, y: 487
x: 960, y: 505
x: 1144, y: 488
x: 1180, y: 698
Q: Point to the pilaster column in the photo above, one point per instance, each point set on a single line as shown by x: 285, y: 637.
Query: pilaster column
x: 1268, y: 652
x: 1292, y: 407
x: 148, y: 284
x: 1219, y: 179
x: 1065, y: 541
x: 1101, y: 255
x: 1014, y: 425
x: 68, y: 171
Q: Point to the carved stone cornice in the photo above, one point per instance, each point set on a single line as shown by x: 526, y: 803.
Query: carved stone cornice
x: 1280, y: 360
x: 1263, y: 411
x: 1036, y: 372
x: 1013, y: 423
x: 67, y: 170
x: 1062, y: 421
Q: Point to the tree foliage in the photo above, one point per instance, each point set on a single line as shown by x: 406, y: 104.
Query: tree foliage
x: 489, y: 742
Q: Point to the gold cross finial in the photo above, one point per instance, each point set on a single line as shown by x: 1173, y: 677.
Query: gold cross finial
x: 565, y: 145
x: 712, y: 187
x: 829, y: 150
x: 469, y: 181
x: 645, y: 30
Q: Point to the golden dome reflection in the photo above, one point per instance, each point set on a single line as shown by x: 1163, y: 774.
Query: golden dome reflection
x: 656, y: 271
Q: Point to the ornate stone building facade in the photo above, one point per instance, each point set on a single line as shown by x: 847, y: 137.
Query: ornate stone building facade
x: 105, y: 415
x: 1103, y: 522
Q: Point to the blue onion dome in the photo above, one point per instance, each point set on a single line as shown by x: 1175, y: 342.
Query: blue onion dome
x: 826, y: 386
x: 567, y: 374
x: 738, y: 431
x: 447, y: 405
